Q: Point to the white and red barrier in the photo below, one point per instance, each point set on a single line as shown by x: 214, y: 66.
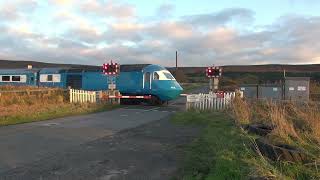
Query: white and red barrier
x: 127, y: 97
x: 81, y: 96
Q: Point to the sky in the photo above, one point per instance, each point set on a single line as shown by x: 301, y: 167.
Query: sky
x: 204, y: 32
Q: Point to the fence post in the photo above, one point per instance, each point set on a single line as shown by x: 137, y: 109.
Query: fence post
x: 70, y: 95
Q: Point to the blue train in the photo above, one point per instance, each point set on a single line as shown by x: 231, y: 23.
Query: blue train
x: 143, y: 79
x: 147, y: 79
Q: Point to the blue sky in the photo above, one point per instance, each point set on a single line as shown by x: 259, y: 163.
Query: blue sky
x: 204, y: 32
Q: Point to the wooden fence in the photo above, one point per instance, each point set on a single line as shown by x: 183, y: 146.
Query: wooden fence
x: 81, y: 96
x: 212, y: 101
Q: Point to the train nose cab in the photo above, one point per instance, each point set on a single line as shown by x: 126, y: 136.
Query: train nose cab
x: 164, y: 85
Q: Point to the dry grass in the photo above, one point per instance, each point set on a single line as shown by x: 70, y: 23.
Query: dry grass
x: 39, y: 105
x: 15, y: 103
x: 296, y: 124
x: 241, y: 111
x: 284, y: 127
x: 291, y: 120
x: 307, y: 119
x: 22, y: 88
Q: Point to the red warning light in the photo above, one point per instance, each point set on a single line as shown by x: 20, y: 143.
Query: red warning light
x: 214, y: 72
x: 111, y: 68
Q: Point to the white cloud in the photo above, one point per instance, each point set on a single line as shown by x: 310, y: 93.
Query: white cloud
x: 92, y: 40
x: 108, y: 9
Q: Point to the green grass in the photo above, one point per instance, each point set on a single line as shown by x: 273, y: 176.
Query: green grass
x: 219, y: 153
x: 189, y: 87
x: 55, y: 112
x: 223, y: 151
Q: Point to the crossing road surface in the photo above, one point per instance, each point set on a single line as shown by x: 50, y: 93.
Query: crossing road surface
x: 21, y: 144
x: 131, y: 142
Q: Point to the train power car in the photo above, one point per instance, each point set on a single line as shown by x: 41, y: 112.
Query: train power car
x: 147, y: 79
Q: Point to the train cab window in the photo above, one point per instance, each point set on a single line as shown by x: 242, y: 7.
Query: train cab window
x: 49, y: 78
x: 5, y: 78
x: 168, y: 75
x: 156, y: 76
x: 16, y: 78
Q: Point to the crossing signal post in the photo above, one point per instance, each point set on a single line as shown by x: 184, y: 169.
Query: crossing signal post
x: 112, y: 70
x: 214, y: 73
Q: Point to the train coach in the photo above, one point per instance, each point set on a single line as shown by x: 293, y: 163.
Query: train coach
x: 76, y: 78
x: 19, y: 77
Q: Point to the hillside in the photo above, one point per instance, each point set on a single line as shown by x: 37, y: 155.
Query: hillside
x: 257, y: 68
x: 8, y: 64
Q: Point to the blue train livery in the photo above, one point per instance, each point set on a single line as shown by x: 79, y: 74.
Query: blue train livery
x: 143, y: 79
x: 147, y: 79
x: 19, y: 77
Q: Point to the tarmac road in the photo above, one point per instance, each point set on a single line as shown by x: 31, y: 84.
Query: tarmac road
x: 132, y: 142
x: 25, y: 143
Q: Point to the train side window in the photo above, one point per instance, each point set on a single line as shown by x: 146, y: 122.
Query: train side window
x: 16, y: 78
x: 49, y: 77
x: 147, y: 77
x: 156, y: 76
x: 5, y: 78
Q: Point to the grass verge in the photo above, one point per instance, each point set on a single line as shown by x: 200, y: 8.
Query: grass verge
x: 189, y: 87
x: 53, y: 112
x: 43, y: 104
x: 219, y: 153
x: 226, y: 151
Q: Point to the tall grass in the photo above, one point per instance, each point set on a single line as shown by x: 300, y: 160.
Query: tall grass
x: 241, y: 111
x: 290, y: 119
x: 295, y: 123
x: 26, y: 105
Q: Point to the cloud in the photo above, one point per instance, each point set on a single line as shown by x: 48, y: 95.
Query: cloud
x: 62, y: 2
x: 202, y: 39
x: 222, y: 17
x: 108, y: 9
x: 13, y: 10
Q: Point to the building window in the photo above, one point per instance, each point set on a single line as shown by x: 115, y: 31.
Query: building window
x: 16, y: 78
x: 49, y: 78
x: 5, y: 78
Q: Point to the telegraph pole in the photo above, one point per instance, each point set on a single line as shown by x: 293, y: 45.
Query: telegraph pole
x: 176, y: 60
